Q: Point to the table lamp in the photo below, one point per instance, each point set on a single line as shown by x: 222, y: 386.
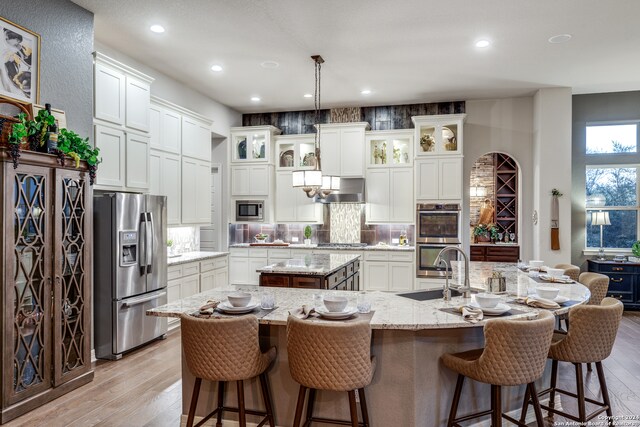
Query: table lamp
x: 600, y: 218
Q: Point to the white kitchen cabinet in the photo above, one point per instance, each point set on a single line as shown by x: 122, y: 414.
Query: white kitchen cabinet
x: 254, y: 264
x: 190, y: 286
x: 165, y: 128
x: 343, y: 149
x: 221, y: 277
x: 377, y: 275
x: 389, y: 148
x: 292, y: 204
x: 196, y: 191
x: 388, y: 270
x: 155, y: 127
x: 112, y: 145
x: 109, y: 102
x: 294, y: 152
x: 439, y: 135
x: 401, y: 276
x: 138, y: 97
x: 243, y: 264
x: 196, y: 139
x: 439, y: 178
x: 137, y: 162
x: 390, y: 195
x: 252, y: 180
x: 252, y: 144
x: 165, y: 180
x: 207, y: 281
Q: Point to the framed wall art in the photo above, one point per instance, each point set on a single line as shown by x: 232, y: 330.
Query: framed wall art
x: 19, y: 62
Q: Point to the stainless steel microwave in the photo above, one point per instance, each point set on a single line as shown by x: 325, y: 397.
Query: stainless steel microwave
x: 250, y: 210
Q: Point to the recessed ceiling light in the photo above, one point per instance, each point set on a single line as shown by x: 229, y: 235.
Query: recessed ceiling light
x: 255, y: 98
x: 483, y: 43
x: 366, y: 92
x: 560, y: 38
x: 216, y: 68
x: 157, y: 28
x: 269, y: 64
x: 308, y: 95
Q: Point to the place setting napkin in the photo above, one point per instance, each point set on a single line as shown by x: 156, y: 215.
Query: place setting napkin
x: 554, y: 279
x: 303, y: 312
x: 537, y: 302
x: 207, y: 310
x: 471, y: 314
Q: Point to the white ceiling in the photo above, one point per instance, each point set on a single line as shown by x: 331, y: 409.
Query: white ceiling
x: 405, y: 51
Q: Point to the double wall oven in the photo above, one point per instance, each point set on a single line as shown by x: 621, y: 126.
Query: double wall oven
x: 437, y: 226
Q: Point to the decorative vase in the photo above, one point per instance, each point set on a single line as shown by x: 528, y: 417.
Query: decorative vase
x: 483, y: 238
x: 307, y: 242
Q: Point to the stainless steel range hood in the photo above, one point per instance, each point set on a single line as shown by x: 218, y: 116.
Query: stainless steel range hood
x: 351, y: 191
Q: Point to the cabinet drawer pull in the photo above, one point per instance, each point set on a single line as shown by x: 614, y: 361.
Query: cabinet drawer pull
x: 617, y: 268
x: 616, y: 280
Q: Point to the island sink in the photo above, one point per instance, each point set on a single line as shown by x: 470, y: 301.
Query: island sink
x: 428, y: 295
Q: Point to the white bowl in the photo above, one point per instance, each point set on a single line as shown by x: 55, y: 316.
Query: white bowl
x: 485, y: 300
x: 335, y: 304
x: 555, y: 272
x: 239, y: 299
x: 547, y: 292
x: 536, y: 263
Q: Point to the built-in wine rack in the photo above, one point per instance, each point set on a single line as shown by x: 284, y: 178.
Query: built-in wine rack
x: 506, y: 193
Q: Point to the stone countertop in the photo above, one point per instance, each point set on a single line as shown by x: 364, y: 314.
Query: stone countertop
x: 310, y: 265
x: 194, y: 256
x: 496, y: 244
x: 332, y: 248
x: 391, y: 311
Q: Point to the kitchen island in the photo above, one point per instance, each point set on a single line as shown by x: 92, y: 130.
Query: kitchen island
x: 410, y: 386
x: 314, y: 271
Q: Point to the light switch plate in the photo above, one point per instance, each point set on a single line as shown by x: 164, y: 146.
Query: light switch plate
x: 294, y: 240
x: 395, y: 241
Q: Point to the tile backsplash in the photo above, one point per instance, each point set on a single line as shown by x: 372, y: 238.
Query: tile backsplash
x: 185, y: 239
x: 345, y: 222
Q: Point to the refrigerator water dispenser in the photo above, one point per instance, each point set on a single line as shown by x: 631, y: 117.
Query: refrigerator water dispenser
x: 128, y: 248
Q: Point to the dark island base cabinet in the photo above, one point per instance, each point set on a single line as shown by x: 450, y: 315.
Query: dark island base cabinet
x: 345, y: 279
x: 624, y: 280
x: 495, y: 253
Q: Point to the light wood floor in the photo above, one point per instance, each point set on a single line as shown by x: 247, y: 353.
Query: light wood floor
x: 144, y: 388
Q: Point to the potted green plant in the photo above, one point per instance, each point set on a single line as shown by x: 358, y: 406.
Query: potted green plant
x: 308, y: 231
x: 485, y: 232
x: 169, y: 247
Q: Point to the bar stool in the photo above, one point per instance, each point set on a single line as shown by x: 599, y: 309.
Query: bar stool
x: 515, y: 353
x: 225, y: 350
x: 573, y: 271
x: 589, y: 340
x: 598, y: 285
x: 330, y: 356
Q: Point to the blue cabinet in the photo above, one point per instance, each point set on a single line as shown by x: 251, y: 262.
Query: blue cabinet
x: 623, y: 280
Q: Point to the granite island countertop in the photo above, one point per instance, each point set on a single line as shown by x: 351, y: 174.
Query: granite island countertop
x: 336, y: 247
x: 391, y: 311
x: 193, y: 256
x: 310, y: 265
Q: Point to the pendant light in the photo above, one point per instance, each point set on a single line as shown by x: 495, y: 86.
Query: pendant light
x: 312, y: 182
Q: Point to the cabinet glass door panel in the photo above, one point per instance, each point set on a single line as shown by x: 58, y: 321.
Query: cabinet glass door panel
x: 307, y: 154
x: 70, y: 308
x: 29, y: 297
x: 258, y: 146
x: 286, y: 155
x: 240, y: 144
x: 427, y: 139
x: 400, y: 151
x: 378, y: 150
x: 449, y: 138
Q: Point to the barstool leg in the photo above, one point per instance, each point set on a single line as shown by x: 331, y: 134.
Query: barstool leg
x: 310, y: 402
x: 536, y: 404
x: 605, y: 391
x: 220, y: 402
x: 456, y: 400
x: 580, y: 387
x: 353, y: 408
x: 363, y: 407
x: 496, y: 406
x: 242, y: 418
x: 299, y: 406
x: 525, y: 403
x: 266, y: 396
x: 194, y: 402
x: 554, y: 380
x: 589, y: 368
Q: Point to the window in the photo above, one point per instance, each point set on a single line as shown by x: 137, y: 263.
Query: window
x: 612, y: 188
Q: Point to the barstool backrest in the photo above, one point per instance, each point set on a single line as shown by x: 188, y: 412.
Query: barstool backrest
x: 597, y: 283
x: 329, y: 356
x: 221, y: 349
x: 573, y: 271
x: 515, y: 351
x: 592, y: 332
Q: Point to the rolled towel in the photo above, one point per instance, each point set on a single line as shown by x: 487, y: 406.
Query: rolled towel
x: 538, y: 302
x: 303, y: 312
x: 471, y: 314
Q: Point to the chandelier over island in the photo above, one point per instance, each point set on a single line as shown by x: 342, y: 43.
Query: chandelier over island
x: 312, y: 181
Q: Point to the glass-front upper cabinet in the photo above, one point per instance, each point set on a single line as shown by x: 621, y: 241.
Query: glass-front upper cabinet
x: 438, y: 134
x: 389, y: 148
x: 252, y: 143
x: 295, y: 152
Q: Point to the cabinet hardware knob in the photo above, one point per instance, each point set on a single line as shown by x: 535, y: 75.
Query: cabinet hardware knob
x: 617, y: 268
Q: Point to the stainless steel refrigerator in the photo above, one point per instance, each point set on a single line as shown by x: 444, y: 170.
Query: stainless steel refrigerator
x: 130, y: 271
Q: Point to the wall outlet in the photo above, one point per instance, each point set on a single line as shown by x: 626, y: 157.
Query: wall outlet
x: 294, y: 240
x: 395, y: 241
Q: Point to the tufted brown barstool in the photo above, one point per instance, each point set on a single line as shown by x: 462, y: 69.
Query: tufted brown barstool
x: 598, y: 285
x: 573, y: 271
x: 515, y: 353
x: 226, y: 350
x: 589, y: 340
x: 330, y: 356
